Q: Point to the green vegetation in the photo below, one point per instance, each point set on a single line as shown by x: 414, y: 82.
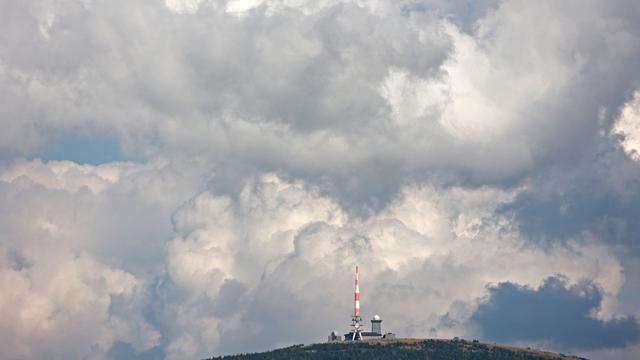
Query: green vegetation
x: 401, y: 349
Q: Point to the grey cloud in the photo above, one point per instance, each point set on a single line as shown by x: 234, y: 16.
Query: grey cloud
x: 294, y: 262
x: 597, y: 196
x: 300, y: 91
x: 555, y: 313
x: 124, y: 351
x: 278, y: 244
x: 233, y: 295
x: 431, y: 142
x: 78, y: 246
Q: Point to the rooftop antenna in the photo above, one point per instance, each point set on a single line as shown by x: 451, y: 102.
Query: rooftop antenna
x: 356, y: 320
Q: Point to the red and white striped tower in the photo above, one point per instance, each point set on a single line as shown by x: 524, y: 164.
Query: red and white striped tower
x: 357, y: 296
x: 356, y: 333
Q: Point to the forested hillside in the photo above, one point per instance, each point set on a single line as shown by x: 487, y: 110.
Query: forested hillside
x: 409, y: 349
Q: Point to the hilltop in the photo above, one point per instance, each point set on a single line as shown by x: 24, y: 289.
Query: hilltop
x: 409, y: 349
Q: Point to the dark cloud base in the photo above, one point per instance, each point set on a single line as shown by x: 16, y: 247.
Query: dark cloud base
x: 555, y: 313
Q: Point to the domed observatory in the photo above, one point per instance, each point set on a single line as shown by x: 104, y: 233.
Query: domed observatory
x: 376, y: 330
x: 376, y: 325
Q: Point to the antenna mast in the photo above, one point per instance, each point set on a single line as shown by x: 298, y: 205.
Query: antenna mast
x: 356, y: 320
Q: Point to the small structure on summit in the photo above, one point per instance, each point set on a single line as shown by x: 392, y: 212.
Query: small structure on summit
x: 357, y: 330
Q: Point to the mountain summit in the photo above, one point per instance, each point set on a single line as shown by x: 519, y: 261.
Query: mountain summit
x: 409, y: 349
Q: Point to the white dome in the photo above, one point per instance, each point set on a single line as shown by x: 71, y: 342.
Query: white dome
x: 376, y: 317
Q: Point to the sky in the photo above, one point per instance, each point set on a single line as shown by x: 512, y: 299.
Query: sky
x: 188, y: 178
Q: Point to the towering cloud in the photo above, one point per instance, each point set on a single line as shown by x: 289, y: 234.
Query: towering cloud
x: 474, y: 158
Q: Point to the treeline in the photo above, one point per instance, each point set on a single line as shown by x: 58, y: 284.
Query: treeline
x: 401, y: 350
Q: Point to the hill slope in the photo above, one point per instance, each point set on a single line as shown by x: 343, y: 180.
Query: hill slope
x: 424, y: 349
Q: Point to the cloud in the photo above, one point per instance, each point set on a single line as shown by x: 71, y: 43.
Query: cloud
x: 281, y: 240
x: 322, y: 83
x: 628, y: 126
x: 66, y: 305
x: 265, y: 147
x: 78, y: 244
x: 227, y: 263
x: 555, y: 313
x: 183, y: 6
